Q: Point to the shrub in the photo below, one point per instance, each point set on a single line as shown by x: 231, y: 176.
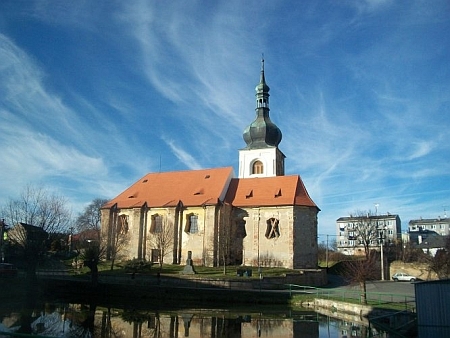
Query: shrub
x: 137, y: 265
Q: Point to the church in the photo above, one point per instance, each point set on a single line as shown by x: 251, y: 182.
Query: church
x: 262, y: 218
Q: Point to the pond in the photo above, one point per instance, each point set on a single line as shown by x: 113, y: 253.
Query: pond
x: 65, y: 319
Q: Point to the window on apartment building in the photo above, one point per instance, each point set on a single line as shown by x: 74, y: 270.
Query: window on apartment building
x: 156, y: 226
x: 442, y: 226
x: 191, y: 224
x: 257, y: 168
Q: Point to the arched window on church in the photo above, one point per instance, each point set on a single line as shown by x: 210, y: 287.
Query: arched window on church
x: 257, y: 168
x: 191, y: 224
x: 262, y: 103
x: 122, y: 226
x: 156, y: 226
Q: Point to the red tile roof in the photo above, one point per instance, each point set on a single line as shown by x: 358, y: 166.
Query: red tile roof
x: 268, y: 191
x: 191, y: 187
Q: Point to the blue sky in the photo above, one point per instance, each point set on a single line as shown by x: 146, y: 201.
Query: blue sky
x: 95, y: 94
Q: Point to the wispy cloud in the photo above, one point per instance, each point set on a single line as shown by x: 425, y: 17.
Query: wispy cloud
x: 43, y: 138
x: 359, y: 89
x: 420, y: 149
x: 187, y: 159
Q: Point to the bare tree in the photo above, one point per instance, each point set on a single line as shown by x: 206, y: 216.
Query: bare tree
x: 333, y: 245
x: 365, y: 230
x: 119, y: 238
x: 90, y: 218
x: 225, y: 244
x: 161, y: 237
x: 322, y: 252
x: 360, y: 271
x: 39, y: 207
x: 440, y: 263
x: 229, y: 242
x: 409, y: 252
x: 35, y: 214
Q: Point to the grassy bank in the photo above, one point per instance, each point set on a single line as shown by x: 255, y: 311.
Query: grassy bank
x: 175, y: 270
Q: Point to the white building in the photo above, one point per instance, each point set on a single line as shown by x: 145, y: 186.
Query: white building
x: 349, y: 239
x: 416, y: 227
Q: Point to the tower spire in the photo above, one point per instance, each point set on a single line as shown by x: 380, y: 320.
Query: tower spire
x: 262, y: 68
x: 262, y: 132
x: 262, y: 90
x: 261, y: 156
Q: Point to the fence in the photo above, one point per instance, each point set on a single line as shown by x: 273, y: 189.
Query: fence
x: 382, y: 299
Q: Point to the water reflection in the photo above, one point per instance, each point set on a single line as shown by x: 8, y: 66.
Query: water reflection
x: 90, y: 320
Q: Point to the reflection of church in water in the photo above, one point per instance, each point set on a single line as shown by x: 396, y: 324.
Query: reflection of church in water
x: 261, y: 218
x: 220, y: 324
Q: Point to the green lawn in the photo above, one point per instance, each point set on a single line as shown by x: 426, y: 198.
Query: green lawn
x: 172, y: 269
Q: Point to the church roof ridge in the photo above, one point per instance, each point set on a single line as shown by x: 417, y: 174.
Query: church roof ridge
x: 163, y: 189
x: 268, y: 191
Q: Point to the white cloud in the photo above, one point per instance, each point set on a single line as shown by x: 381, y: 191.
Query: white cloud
x: 28, y: 156
x: 44, y: 140
x: 186, y: 158
x: 420, y: 149
x: 25, y: 94
x: 360, y: 95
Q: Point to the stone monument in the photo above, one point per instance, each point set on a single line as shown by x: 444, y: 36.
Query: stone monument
x: 189, y: 268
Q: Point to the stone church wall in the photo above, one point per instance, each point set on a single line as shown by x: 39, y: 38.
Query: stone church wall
x: 273, y: 236
x: 294, y: 247
x: 305, y: 238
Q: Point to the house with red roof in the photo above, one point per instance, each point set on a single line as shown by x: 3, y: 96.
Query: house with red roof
x: 260, y: 218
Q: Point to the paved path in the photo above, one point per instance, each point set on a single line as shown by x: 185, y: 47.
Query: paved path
x: 403, y: 288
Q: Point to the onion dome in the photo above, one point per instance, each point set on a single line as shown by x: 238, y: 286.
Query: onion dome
x: 262, y: 132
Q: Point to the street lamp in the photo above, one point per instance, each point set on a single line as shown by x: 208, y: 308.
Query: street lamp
x: 71, y: 240
x: 2, y: 231
x: 381, y: 238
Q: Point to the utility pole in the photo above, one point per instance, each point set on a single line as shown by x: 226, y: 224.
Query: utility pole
x: 382, y: 260
x: 2, y: 232
x: 381, y: 238
x: 327, y: 248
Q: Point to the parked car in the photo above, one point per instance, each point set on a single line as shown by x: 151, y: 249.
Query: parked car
x: 8, y: 270
x: 403, y: 277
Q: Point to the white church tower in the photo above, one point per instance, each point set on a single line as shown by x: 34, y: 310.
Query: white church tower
x: 261, y: 157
